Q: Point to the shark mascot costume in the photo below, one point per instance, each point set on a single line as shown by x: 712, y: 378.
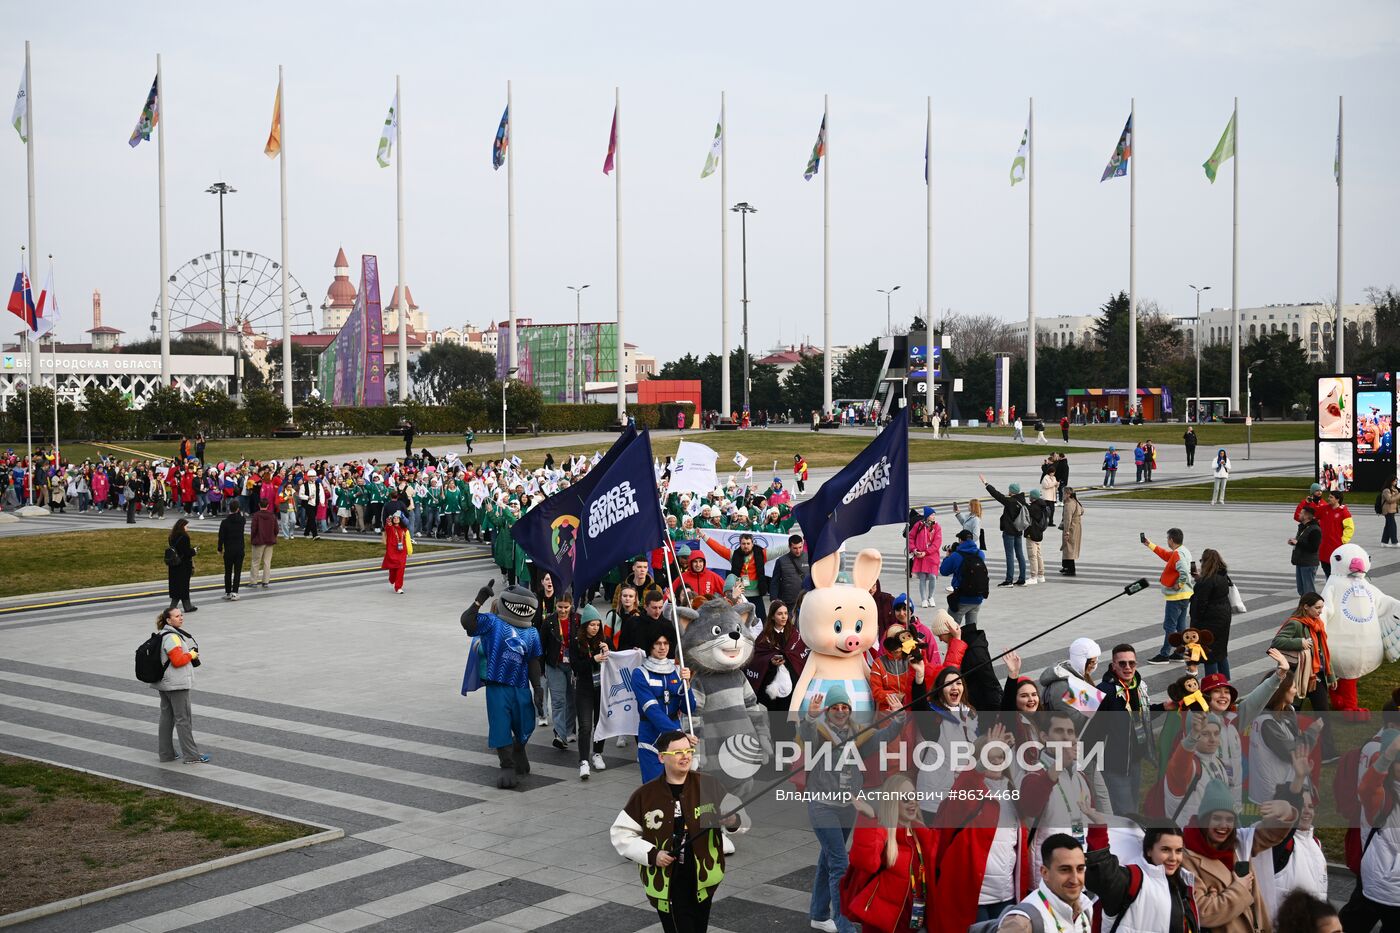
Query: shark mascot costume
x: 507, y: 648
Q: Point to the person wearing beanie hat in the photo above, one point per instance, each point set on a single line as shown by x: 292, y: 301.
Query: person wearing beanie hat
x: 925, y: 543
x: 1312, y: 501
x: 1042, y: 511
x: 1015, y: 518
x: 1110, y: 465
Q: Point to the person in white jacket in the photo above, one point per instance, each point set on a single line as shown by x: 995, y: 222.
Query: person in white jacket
x: 1220, y: 469
x: 1380, y: 860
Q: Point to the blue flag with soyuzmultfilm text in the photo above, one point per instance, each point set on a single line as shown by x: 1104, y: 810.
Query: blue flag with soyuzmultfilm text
x: 549, y: 531
x: 873, y: 489
x: 621, y: 514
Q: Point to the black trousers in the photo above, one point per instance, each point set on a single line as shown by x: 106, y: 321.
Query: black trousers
x: 686, y: 916
x: 1190, y: 456
x: 408, y: 445
x: 131, y: 510
x: 233, y: 571
x: 178, y: 585
x: 587, y: 701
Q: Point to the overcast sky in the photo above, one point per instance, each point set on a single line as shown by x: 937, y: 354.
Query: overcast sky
x: 1082, y: 61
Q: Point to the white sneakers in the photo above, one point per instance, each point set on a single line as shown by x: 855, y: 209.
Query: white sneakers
x: 622, y: 741
x: 583, y: 770
x: 541, y: 722
x: 599, y: 764
x: 1040, y: 579
x: 829, y: 926
x: 1031, y: 581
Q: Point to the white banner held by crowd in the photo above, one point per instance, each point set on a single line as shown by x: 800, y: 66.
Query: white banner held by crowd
x: 618, y: 713
x: 693, y: 470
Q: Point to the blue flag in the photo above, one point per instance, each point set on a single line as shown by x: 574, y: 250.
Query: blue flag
x: 549, y: 531
x: 873, y: 489
x: 502, y: 141
x: 621, y: 516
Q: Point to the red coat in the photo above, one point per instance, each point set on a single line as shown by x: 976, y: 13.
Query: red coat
x: 394, y: 556
x: 187, y: 487
x: 962, y: 854
x: 889, y: 900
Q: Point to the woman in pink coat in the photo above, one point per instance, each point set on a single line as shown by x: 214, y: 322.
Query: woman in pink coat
x: 925, y: 545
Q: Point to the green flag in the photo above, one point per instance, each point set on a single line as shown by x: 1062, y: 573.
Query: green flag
x: 390, y: 135
x: 1225, y: 149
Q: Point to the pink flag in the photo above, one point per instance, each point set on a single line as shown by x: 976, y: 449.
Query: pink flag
x: 612, y: 146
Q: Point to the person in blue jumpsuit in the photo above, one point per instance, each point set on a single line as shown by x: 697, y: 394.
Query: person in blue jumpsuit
x: 657, y: 685
x: 510, y: 649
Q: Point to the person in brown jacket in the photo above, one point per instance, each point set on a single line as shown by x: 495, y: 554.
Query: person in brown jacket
x: 1218, y: 853
x: 263, y: 534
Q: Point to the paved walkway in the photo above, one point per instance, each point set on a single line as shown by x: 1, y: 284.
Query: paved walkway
x: 333, y: 700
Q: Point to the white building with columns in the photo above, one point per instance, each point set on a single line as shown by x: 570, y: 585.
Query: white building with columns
x: 1310, y: 323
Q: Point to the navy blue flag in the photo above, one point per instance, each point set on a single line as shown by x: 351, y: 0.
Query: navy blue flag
x: 621, y: 515
x: 549, y: 531
x: 873, y: 489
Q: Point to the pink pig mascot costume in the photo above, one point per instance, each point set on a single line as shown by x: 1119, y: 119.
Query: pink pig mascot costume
x: 839, y: 623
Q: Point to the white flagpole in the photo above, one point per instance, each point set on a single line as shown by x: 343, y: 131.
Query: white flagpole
x: 165, y: 368
x: 1030, y: 264
x: 617, y: 187
x: 33, y: 371
x: 1235, y: 275
x: 928, y: 277
x: 53, y: 341
x: 826, y: 256
x: 510, y: 225
x: 1132, y: 260
x: 724, y: 388
x: 668, y: 549
x: 1340, y: 328
x: 34, y: 351
x: 403, y: 284
x: 286, y: 301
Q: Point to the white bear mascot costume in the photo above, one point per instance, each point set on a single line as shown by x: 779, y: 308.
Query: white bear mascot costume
x: 1363, y: 630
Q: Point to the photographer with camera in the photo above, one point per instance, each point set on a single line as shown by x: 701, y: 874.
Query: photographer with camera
x: 179, y: 656
x: 671, y: 827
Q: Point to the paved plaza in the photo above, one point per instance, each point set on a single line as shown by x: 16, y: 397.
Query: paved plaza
x: 331, y: 700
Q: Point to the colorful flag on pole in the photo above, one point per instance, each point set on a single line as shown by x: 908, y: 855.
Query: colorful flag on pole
x: 1018, y: 164
x: 22, y: 302
x: 20, y: 118
x: 612, y: 146
x: 1225, y: 149
x: 814, y: 163
x: 712, y: 160
x: 150, y: 116
x: 502, y: 141
x: 274, y: 137
x: 390, y: 133
x: 46, y: 310
x: 1118, y: 164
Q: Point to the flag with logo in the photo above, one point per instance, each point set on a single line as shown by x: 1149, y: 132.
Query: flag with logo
x: 693, y: 470
x: 22, y: 301
x: 1018, y: 164
x: 274, y: 137
x: 621, y: 514
x: 612, y: 146
x: 739, y: 459
x: 1118, y: 163
x: 617, y: 711
x: 150, y: 116
x: 549, y: 532
x: 873, y: 489
x: 20, y: 117
x: 1225, y: 149
x: 712, y: 160
x: 814, y: 162
x: 390, y: 134
x: 502, y: 140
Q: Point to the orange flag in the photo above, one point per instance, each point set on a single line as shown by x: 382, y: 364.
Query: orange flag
x: 274, y: 138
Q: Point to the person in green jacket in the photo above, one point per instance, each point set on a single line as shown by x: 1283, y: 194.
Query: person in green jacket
x: 470, y: 438
x: 451, y: 509
x: 378, y: 495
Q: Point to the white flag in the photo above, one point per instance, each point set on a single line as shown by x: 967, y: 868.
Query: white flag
x: 748, y: 472
x: 618, y: 713
x: 712, y: 160
x: 46, y: 308
x: 1018, y: 165
x: 693, y: 470
x: 390, y: 134
x: 740, y: 459
x: 20, y: 118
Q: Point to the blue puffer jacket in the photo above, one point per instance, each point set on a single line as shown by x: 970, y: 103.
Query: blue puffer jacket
x: 952, y: 567
x: 1110, y: 461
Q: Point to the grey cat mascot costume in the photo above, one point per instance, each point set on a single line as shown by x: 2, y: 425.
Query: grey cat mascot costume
x: 509, y: 648
x: 730, y: 722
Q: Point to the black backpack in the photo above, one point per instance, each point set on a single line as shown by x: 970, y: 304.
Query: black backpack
x: 172, y: 559
x: 149, y: 667
x: 972, y: 579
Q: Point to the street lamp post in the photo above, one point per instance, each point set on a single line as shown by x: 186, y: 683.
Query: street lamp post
x: 1197, y: 341
x: 222, y: 188
x: 1249, y: 410
x: 505, y: 382
x: 887, y: 292
x: 578, y: 338
x: 744, y: 209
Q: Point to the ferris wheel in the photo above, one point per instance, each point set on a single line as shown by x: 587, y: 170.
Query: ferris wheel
x: 250, y: 299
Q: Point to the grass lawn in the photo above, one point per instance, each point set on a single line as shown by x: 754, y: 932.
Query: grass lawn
x: 69, y: 833
x: 72, y: 559
x: 1211, y: 435
x: 1283, y: 489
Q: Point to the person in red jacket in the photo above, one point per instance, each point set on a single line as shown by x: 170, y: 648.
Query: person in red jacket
x: 1313, y: 500
x: 263, y: 536
x: 1337, y: 526
x: 396, y: 543
x: 696, y: 577
x: 893, y: 864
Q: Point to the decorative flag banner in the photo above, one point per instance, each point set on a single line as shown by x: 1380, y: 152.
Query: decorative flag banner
x: 1018, y: 164
x: 612, y: 146
x: 502, y: 141
x: 1336, y: 156
x: 274, y: 136
x: 873, y: 489
x: 22, y: 302
x: 748, y: 472
x: 390, y: 133
x: 150, y: 116
x: 693, y: 470
x: 621, y: 515
x: 46, y: 311
x: 1081, y: 695
x: 712, y: 160
x: 617, y: 714
x: 814, y: 163
x: 1225, y: 149
x: 739, y: 459
x: 1118, y: 164
x: 20, y: 118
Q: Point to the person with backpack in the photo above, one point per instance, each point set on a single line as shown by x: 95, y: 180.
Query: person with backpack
x: 1110, y: 466
x: 179, y: 565
x: 1015, y: 519
x: 167, y: 661
x: 231, y: 546
x: 1042, y: 517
